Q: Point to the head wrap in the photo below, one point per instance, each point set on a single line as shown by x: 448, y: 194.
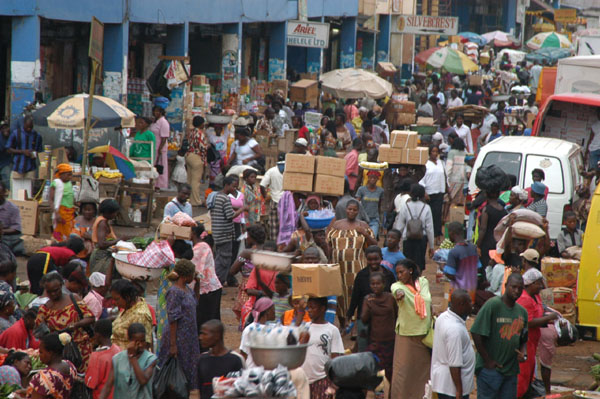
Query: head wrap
x: 63, y: 168
x: 260, y: 306
x: 97, y: 279
x: 6, y: 297
x: 373, y: 173
x: 518, y: 191
x: 301, y: 142
x: 313, y: 197
x: 531, y: 276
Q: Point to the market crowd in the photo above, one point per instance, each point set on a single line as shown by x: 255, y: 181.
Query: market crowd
x: 95, y: 333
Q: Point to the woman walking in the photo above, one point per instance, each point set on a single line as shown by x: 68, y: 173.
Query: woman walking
x: 490, y: 216
x: 195, y: 159
x: 62, y: 202
x: 435, y: 185
x: 252, y: 197
x: 412, y: 359
x: 161, y: 130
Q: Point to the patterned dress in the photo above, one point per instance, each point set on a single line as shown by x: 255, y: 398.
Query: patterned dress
x: 242, y: 296
x: 161, y: 312
x: 52, y: 384
x: 348, y: 249
x: 138, y: 313
x: 59, y: 319
x: 255, y: 202
x: 181, y: 307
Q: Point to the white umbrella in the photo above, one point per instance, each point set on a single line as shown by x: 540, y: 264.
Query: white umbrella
x: 355, y: 83
x: 499, y: 38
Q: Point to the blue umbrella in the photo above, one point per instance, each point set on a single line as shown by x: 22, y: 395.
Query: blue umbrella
x: 550, y: 54
x: 473, y: 37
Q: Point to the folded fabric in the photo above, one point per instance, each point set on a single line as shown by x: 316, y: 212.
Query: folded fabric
x: 156, y: 255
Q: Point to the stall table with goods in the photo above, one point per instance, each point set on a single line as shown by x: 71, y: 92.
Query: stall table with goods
x: 136, y: 197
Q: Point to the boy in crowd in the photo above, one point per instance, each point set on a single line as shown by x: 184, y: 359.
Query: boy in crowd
x: 100, y: 365
x: 539, y: 205
x: 570, y: 236
x: 463, y: 261
x: 370, y: 198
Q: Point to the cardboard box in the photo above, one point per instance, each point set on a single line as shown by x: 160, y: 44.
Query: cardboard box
x: 456, y: 214
x: 329, y: 185
x: 404, y: 107
x: 181, y: 232
x: 297, y: 181
x: 29, y: 216
x: 424, y: 121
x: 286, y: 143
x: 305, y: 91
x: 316, y: 280
x: 300, y: 163
x: 389, y: 154
x: 560, y: 272
x: 385, y: 69
x: 475, y: 80
x: 404, y: 139
x: 280, y: 85
x: 394, y: 119
x: 415, y: 156
x: 330, y: 166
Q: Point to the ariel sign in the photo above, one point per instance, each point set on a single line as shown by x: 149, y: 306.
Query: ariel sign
x: 307, y: 34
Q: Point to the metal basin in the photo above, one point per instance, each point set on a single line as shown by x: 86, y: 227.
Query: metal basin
x: 289, y: 356
x: 135, y: 272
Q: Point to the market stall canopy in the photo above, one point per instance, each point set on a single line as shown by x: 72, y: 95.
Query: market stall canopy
x: 70, y: 113
x: 500, y: 39
x: 515, y: 56
x: 116, y: 160
x: 548, y: 40
x: 473, y: 37
x: 355, y: 83
x: 451, y: 60
x: 549, y: 54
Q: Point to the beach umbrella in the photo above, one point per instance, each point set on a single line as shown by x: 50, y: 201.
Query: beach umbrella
x: 472, y: 37
x: 547, y: 40
x: 549, y: 54
x: 70, y: 113
x: 115, y: 159
x: 499, y: 38
x: 451, y: 60
x: 355, y: 83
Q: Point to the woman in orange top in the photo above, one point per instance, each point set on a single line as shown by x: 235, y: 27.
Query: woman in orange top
x: 298, y: 314
x: 103, y: 237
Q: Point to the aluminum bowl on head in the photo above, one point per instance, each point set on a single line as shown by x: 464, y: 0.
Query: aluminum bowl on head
x: 291, y: 356
x: 270, y: 260
x: 135, y: 272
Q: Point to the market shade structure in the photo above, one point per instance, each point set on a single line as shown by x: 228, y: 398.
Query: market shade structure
x: 115, y: 159
x: 548, y: 40
x: 70, y: 113
x: 549, y: 54
x: 355, y: 83
x: 451, y: 60
x: 499, y: 38
x: 472, y: 37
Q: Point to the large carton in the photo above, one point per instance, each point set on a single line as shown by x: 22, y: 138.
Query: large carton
x: 404, y: 107
x: 456, y: 214
x: 415, y: 156
x: 300, y: 163
x: 305, y: 91
x: 475, y: 80
x: 386, y: 69
x: 394, y: 119
x: 330, y: 166
x: 316, y: 280
x: 279, y: 85
x: 329, y: 185
x: 424, y: 121
x: 560, y: 272
x: 297, y: 181
x: 286, y: 143
x: 389, y: 154
x: 29, y: 216
x: 181, y: 232
x: 404, y: 139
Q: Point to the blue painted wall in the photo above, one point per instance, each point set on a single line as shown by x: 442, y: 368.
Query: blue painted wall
x: 383, y: 38
x: 509, y: 15
x: 348, y: 43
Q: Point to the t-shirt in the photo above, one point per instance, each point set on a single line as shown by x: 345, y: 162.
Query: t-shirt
x: 244, y: 151
x: 502, y: 328
x: 68, y: 197
x: 325, y: 339
x: 99, y: 368
x: 534, y: 308
x: 220, y: 142
x: 210, y: 366
x: 139, y: 150
x: 540, y: 207
x: 273, y: 180
x: 60, y: 255
x: 370, y: 200
x: 390, y: 259
x: 281, y: 305
x: 222, y: 219
x: 463, y: 262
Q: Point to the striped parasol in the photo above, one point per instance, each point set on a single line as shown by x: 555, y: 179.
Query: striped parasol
x: 548, y: 40
x: 115, y: 159
x: 451, y: 60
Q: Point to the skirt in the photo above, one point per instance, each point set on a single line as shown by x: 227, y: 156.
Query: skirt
x: 241, y: 299
x: 412, y: 362
x: 318, y: 388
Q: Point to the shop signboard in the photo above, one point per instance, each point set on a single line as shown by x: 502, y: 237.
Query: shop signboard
x: 96, y: 40
x: 307, y: 34
x: 426, y: 25
x: 565, y: 15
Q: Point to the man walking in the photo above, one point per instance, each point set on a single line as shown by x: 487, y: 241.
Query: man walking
x: 453, y: 357
x: 500, y: 336
x: 24, y: 144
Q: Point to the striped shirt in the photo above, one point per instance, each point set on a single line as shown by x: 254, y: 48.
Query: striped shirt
x: 221, y: 216
x: 541, y: 207
x: 21, y: 140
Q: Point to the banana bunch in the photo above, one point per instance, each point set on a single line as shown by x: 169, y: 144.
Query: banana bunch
x: 373, y: 165
x: 109, y: 175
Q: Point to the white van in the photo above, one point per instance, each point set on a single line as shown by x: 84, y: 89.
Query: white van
x: 559, y: 159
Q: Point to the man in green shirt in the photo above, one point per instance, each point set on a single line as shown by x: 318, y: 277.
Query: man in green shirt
x: 500, y: 336
x: 143, y: 133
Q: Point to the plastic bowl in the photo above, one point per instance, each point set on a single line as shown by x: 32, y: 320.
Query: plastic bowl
x: 272, y: 260
x: 318, y: 224
x: 218, y: 119
x: 290, y: 357
x: 135, y: 272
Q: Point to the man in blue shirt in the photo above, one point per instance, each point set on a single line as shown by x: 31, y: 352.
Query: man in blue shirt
x: 24, y: 145
x: 5, y: 157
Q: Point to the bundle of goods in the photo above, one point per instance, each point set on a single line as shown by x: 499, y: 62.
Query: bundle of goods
x: 180, y: 225
x: 147, y: 264
x: 403, y: 149
x: 527, y: 225
x: 322, y: 175
x: 356, y: 371
x: 376, y: 166
x: 400, y: 113
x: 272, y: 260
x: 255, y: 382
x: 491, y: 178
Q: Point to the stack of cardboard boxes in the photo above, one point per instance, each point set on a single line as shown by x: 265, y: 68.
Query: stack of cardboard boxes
x: 401, y: 113
x: 300, y: 174
x: 403, y: 149
x: 561, y: 279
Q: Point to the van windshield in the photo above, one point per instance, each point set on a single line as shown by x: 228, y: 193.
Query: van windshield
x: 509, y: 162
x: 553, y: 172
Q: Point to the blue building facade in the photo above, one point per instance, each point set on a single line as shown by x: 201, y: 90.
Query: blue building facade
x: 46, y: 41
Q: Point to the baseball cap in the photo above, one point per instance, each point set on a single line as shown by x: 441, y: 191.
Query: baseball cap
x: 531, y: 276
x: 531, y: 255
x: 437, y: 136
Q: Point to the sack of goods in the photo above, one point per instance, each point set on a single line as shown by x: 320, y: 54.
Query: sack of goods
x: 491, y: 178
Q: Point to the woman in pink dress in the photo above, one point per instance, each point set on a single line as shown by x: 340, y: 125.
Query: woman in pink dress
x: 161, y: 130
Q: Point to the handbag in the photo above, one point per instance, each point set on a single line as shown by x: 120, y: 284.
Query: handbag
x: 428, y: 340
x: 90, y: 190
x: 87, y: 329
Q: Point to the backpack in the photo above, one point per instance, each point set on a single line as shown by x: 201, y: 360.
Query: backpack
x: 414, y: 226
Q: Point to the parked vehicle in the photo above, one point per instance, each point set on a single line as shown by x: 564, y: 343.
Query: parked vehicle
x: 578, y: 75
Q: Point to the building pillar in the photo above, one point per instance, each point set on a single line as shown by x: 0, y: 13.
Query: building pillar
x: 231, y: 54
x: 383, y: 39
x: 509, y: 16
x: 178, y: 39
x: 116, y: 46
x: 278, y: 51
x: 25, y: 63
x: 348, y: 43
x: 313, y: 60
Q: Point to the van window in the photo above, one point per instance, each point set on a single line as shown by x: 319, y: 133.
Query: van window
x: 552, y: 168
x: 576, y: 161
x: 509, y: 162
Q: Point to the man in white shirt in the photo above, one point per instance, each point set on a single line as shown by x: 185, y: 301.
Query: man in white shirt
x: 453, y: 357
x: 536, y: 71
x: 425, y: 108
x: 464, y: 132
x: 273, y: 180
x: 439, y: 94
x: 455, y: 100
x: 486, y: 127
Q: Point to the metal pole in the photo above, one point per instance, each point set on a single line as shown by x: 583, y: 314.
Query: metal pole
x: 88, y: 119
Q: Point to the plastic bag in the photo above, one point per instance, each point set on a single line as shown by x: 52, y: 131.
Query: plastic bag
x: 183, y: 219
x: 354, y: 371
x: 491, y: 178
x: 72, y: 354
x: 170, y: 382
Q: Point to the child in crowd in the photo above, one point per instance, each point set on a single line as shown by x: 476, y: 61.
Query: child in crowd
x: 62, y: 202
x: 179, y: 174
x: 380, y: 311
x: 539, y: 205
x: 391, y: 253
x: 217, y: 152
x: 262, y: 312
x: 298, y: 313
x: 463, y: 261
x: 132, y: 368
x: 370, y: 198
x: 218, y: 360
x: 281, y: 295
x: 569, y: 237
x: 83, y: 227
x: 100, y: 364
x: 325, y: 343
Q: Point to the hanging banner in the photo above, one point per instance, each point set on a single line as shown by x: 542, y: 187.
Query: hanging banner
x: 426, y: 25
x: 307, y: 34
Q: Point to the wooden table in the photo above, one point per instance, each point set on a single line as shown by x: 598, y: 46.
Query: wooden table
x: 131, y: 188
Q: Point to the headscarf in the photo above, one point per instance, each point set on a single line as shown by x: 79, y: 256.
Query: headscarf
x: 531, y: 276
x: 522, y: 194
x: 373, y: 173
x: 63, y: 168
x: 313, y: 197
x: 97, y: 279
x: 420, y: 308
x: 260, y: 306
x: 6, y: 297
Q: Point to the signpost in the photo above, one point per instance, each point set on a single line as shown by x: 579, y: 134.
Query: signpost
x: 426, y: 25
x: 308, y: 34
x: 95, y: 52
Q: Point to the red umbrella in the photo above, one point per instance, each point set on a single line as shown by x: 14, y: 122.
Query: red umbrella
x: 423, y: 56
